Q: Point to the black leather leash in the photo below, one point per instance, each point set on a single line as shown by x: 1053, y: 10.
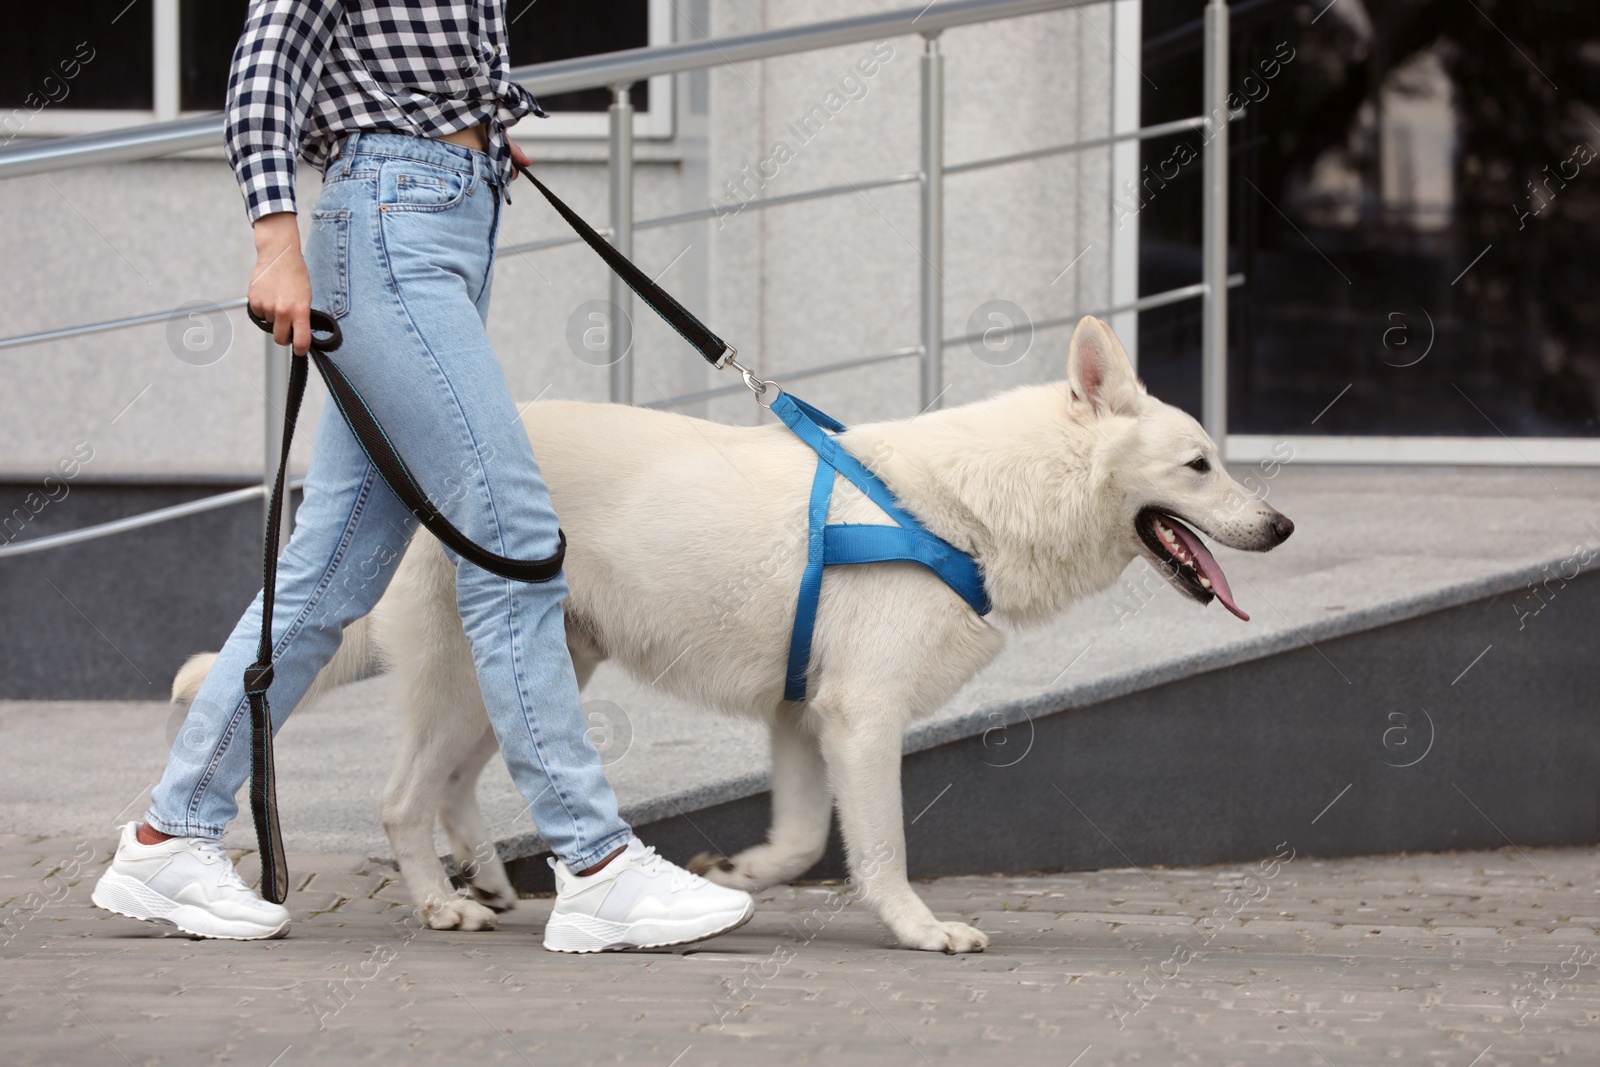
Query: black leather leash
x: 716, y: 351
x: 326, y: 337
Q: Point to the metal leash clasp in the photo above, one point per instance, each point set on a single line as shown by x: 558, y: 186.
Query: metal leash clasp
x: 757, y: 385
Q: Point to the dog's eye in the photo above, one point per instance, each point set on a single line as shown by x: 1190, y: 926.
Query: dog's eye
x: 1200, y: 465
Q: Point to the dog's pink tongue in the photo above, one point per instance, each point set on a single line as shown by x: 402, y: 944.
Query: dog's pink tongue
x: 1207, y: 564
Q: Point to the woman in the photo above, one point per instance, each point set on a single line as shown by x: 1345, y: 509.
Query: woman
x: 403, y: 106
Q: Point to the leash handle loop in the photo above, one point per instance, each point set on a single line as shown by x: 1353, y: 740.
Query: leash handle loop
x: 321, y: 323
x: 258, y: 676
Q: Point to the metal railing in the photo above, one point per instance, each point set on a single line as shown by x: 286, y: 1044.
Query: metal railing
x: 618, y: 72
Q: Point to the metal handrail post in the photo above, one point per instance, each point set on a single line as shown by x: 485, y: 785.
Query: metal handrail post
x: 932, y: 222
x: 276, y: 394
x: 621, y: 167
x: 1214, y: 230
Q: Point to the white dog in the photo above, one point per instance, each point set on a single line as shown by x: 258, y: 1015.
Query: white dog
x: 686, y: 544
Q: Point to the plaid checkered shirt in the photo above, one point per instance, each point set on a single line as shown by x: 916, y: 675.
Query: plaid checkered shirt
x: 307, y: 72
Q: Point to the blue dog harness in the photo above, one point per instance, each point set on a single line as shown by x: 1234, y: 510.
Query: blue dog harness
x: 844, y: 542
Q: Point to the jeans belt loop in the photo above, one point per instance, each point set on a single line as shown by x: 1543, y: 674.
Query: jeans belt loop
x: 348, y: 150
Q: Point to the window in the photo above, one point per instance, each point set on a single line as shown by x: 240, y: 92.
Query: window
x: 1415, y: 208
x: 60, y: 63
x: 96, y: 65
x: 541, y: 31
x: 207, y: 32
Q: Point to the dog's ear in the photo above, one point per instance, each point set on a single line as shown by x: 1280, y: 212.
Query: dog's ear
x: 1098, y: 371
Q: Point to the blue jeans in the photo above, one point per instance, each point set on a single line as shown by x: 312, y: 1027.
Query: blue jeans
x: 401, y: 252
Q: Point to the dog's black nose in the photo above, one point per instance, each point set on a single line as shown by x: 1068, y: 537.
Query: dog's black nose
x: 1283, y: 527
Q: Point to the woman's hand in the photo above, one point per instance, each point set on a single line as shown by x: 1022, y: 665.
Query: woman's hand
x: 280, y: 286
x: 518, y: 155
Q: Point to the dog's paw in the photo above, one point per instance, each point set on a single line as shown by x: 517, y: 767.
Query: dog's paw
x: 497, y: 898
x: 945, y: 937
x: 707, y: 862
x: 458, y: 913
x: 727, y: 872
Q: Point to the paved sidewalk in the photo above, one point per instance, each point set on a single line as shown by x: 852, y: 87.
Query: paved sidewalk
x: 1454, y: 960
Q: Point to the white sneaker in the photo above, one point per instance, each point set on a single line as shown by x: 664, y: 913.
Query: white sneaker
x: 639, y: 900
x: 187, y: 882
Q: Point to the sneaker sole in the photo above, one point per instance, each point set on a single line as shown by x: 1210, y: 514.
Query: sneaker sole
x: 133, y: 899
x: 584, y: 933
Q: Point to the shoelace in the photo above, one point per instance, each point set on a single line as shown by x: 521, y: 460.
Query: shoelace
x: 211, y: 850
x: 650, y: 862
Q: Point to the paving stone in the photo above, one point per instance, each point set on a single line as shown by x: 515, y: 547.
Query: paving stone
x: 1465, y: 967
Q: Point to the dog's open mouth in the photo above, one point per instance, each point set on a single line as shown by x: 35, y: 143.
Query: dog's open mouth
x: 1185, y: 559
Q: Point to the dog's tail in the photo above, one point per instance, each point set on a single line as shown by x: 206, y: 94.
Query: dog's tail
x: 356, y: 659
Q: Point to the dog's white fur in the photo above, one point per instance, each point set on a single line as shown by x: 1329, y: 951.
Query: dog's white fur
x: 686, y: 545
